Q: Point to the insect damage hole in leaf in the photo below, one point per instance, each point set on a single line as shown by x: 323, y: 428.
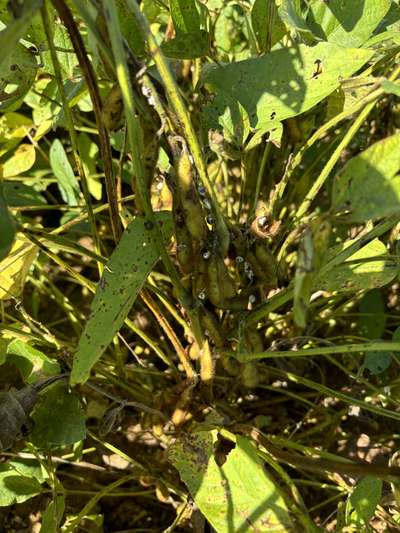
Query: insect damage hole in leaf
x: 237, y: 496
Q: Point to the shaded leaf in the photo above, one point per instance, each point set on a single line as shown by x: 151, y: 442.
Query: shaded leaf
x: 267, y: 26
x: 22, y: 159
x: 372, y: 319
x: 123, y: 277
x: 368, y: 268
x: 15, y: 267
x: 377, y: 362
x: 346, y: 22
x: 237, y: 496
x: 18, y: 194
x: 185, y: 16
x: 187, y: 45
x: 7, y: 233
x: 67, y: 182
x: 278, y: 85
x: 368, y: 187
x: 59, y: 418
x: 15, y: 408
x: 52, y: 516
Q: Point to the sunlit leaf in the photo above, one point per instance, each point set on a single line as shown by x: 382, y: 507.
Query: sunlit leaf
x: 17, y: 73
x: 22, y: 159
x: 346, y: 22
x: 32, y: 363
x: 368, y: 268
x: 15, y: 267
x: 16, y: 28
x: 368, y: 187
x: 279, y: 85
x: 237, y: 496
x: 363, y: 501
x: 20, y: 480
x: 123, y: 277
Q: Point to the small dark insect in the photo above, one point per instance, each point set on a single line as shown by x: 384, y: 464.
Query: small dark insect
x: 318, y: 68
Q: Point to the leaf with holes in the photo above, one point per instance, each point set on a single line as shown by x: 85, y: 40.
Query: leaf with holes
x: 17, y: 73
x: 123, y: 277
x: 237, y: 496
x: 368, y: 187
x: 279, y: 85
x: 368, y: 268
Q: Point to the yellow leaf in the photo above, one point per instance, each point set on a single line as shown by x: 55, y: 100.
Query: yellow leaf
x: 14, y: 268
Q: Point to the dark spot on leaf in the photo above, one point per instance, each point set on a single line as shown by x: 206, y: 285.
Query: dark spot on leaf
x: 135, y: 268
x: 148, y: 225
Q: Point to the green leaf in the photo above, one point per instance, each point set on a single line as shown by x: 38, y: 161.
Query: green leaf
x: 377, y: 362
x: 237, y: 496
x: 390, y: 87
x: 368, y: 187
x: 267, y: 26
x: 279, y: 85
x: 187, y: 45
x: 18, y: 194
x: 230, y: 32
x: 15, y: 267
x: 7, y: 233
x: 364, y: 500
x: 58, y: 417
x: 368, y: 268
x: 15, y: 29
x: 185, y: 16
x: 22, y: 159
x: 346, y: 22
x: 67, y: 182
x: 20, y: 480
x: 13, y: 128
x: 372, y: 319
x: 32, y: 363
x: 123, y: 277
x: 129, y: 28
x: 290, y: 13
x: 17, y: 73
x: 52, y: 516
x: 88, y: 151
